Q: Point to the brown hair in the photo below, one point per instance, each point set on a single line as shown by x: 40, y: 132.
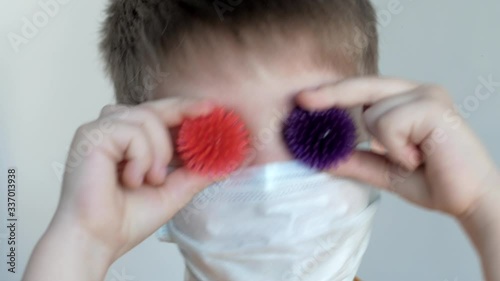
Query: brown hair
x: 139, y: 33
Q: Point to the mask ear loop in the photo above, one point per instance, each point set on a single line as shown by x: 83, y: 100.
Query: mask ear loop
x: 163, y: 234
x: 367, y: 143
x: 363, y: 135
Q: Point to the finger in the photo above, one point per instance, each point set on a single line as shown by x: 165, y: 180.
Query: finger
x: 180, y: 187
x: 139, y: 155
x: 173, y: 111
x: 159, y: 138
x: 406, y: 128
x: 354, y: 92
x: 379, y: 171
x: 367, y: 167
x: 128, y: 143
x: 392, y: 122
x: 387, y: 104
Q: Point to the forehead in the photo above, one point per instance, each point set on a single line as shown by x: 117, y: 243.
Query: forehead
x: 218, y: 66
x: 254, y: 79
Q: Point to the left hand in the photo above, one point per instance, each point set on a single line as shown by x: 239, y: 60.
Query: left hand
x: 432, y: 158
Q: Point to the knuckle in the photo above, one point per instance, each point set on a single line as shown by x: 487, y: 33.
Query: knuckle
x: 84, y: 128
x: 438, y: 92
x: 435, y: 107
x: 107, y: 109
x: 120, y: 112
x: 112, y: 109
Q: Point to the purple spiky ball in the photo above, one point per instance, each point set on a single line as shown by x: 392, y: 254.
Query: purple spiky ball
x: 320, y: 139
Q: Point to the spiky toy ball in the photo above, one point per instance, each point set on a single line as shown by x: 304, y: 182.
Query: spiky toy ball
x: 320, y: 139
x: 213, y: 145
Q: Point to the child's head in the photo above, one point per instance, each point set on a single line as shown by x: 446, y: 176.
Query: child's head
x: 252, y: 56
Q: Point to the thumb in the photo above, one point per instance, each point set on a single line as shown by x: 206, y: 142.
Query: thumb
x: 154, y: 206
x: 367, y: 167
x: 179, y: 188
x: 379, y: 171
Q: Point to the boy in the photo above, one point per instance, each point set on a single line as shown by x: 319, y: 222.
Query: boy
x: 255, y: 57
x: 252, y: 57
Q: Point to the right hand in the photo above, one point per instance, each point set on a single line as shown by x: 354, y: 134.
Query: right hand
x: 119, y: 193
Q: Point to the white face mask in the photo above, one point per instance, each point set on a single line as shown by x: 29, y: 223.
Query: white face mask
x: 281, y: 221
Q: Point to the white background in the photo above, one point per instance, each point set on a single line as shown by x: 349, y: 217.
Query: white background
x: 55, y: 82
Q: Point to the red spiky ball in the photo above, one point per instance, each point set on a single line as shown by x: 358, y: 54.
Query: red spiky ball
x: 213, y: 145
